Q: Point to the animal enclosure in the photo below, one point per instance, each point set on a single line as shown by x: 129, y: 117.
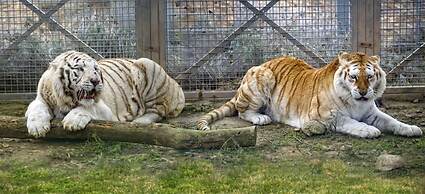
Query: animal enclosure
x: 209, y: 45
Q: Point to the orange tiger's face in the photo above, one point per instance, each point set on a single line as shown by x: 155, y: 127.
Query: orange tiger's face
x: 361, y: 76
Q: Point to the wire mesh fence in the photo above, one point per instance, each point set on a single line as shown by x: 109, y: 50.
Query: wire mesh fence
x: 197, y: 27
x: 210, y: 44
x: 403, y: 41
x: 30, y: 38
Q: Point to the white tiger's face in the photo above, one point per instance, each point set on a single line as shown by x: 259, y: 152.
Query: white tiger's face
x: 81, y: 77
x: 361, y: 76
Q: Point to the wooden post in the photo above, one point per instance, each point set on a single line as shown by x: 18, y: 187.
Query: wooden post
x: 366, y: 26
x: 150, y: 30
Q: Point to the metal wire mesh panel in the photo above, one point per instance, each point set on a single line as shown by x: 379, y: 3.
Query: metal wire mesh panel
x: 28, y: 43
x: 196, y: 28
x: 403, y: 40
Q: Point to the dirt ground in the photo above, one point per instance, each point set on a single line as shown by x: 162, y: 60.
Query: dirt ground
x: 22, y: 149
x: 275, y: 143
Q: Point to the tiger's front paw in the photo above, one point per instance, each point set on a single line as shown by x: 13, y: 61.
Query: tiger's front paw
x: 408, y: 130
x: 74, y: 121
x: 367, y: 132
x: 38, y: 128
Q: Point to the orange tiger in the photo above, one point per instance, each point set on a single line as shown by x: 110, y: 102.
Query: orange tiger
x: 339, y: 95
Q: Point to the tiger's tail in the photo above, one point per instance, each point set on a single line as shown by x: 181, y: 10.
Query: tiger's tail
x: 227, y: 109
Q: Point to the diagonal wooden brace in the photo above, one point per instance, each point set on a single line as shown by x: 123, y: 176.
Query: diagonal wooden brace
x: 30, y: 30
x: 220, y: 47
x: 286, y: 34
x: 46, y: 17
x: 396, y: 68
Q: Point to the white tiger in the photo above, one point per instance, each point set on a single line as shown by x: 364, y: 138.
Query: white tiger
x: 79, y: 89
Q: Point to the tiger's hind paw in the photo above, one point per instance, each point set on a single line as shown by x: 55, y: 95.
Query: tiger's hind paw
x: 147, y: 119
x: 313, y: 128
x: 255, y: 118
x: 262, y: 120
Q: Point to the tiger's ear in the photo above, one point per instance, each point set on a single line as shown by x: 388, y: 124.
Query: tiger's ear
x: 342, y: 57
x: 375, y: 59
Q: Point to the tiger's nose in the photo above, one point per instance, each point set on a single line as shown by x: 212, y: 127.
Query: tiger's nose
x: 94, y: 81
x: 363, y: 92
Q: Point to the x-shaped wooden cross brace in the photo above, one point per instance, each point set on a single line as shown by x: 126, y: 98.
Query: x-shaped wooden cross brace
x: 46, y: 17
x: 257, y: 14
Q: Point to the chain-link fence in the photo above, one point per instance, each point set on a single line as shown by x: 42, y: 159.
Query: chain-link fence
x: 209, y: 44
x: 32, y: 33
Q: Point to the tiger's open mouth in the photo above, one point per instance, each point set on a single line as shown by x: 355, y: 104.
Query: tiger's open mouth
x: 83, y: 94
x: 362, y: 99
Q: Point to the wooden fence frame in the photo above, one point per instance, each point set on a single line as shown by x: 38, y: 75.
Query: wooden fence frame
x: 366, y: 37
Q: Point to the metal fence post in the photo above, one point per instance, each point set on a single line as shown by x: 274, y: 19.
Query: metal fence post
x: 150, y: 30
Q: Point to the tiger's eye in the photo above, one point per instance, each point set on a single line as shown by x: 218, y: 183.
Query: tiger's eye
x: 353, y: 76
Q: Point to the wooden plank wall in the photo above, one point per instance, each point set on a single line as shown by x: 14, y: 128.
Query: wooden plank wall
x: 150, y: 30
x: 366, y: 26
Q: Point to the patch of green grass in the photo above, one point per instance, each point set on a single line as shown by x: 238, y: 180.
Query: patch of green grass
x: 13, y: 108
x: 253, y: 175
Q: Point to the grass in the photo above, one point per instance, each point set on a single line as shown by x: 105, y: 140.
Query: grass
x: 203, y: 176
x: 284, y: 161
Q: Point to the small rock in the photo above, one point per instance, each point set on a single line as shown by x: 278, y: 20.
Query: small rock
x: 387, y: 162
x: 415, y: 101
x: 346, y: 147
x: 331, y: 154
x: 270, y: 157
x: 362, y: 152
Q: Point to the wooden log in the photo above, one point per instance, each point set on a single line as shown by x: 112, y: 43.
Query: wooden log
x: 154, y: 134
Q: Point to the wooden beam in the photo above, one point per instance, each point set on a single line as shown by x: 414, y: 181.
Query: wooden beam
x: 366, y: 26
x: 162, y: 33
x: 154, y: 134
x: 143, y: 32
x: 377, y: 27
x: 150, y: 30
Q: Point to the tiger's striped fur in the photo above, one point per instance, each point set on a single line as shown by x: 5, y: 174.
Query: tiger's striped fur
x: 78, y: 89
x: 288, y: 90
